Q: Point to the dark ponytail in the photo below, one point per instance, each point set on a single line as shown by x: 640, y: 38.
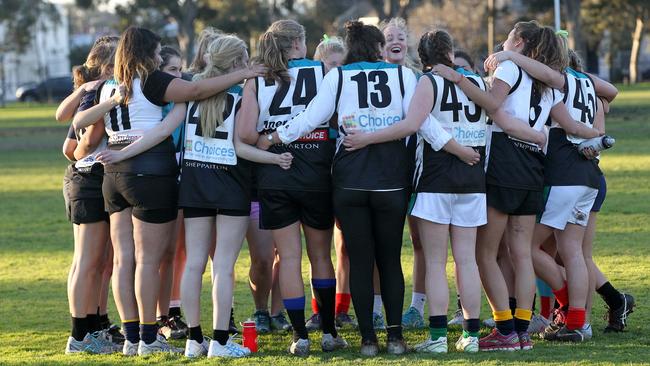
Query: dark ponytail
x: 364, y: 42
x: 434, y: 48
x: 99, y: 58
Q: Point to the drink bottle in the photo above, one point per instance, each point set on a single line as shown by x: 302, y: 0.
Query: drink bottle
x: 597, y: 143
x: 250, y: 335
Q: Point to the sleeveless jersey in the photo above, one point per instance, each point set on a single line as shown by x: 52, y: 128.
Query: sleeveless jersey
x: 212, y: 176
x: 565, y: 165
x: 440, y: 171
x: 511, y: 162
x: 88, y: 163
x: 312, y: 154
x: 125, y: 123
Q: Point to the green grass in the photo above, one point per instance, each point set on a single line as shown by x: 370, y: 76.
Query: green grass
x: 36, y: 249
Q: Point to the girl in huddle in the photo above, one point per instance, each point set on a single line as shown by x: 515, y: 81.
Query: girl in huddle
x: 85, y: 207
x: 287, y: 196
x: 141, y: 191
x: 169, y: 311
x: 515, y: 175
x: 396, y: 52
x: 331, y: 51
x: 209, y: 160
x: 572, y: 182
x: 370, y: 184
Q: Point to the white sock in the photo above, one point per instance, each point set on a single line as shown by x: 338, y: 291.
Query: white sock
x: 418, y: 300
x: 175, y: 304
x: 378, y: 305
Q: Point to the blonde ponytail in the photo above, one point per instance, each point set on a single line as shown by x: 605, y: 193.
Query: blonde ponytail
x: 223, y: 53
x: 274, y: 47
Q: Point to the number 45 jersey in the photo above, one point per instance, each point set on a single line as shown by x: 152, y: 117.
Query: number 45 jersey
x: 313, y: 153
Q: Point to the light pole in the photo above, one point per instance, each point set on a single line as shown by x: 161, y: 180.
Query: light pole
x: 556, y: 4
x: 491, y: 27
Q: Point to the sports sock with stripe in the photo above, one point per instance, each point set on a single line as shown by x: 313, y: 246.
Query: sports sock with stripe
x: 504, y: 321
x: 131, y: 330
x: 148, y: 332
x: 325, y: 293
x: 296, y: 312
x: 522, y: 319
x: 471, y: 328
x: 437, y: 326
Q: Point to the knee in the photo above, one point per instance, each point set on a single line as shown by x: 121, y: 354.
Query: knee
x: 261, y: 266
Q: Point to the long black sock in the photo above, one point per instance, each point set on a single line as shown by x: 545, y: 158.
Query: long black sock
x: 325, y: 294
x: 505, y: 327
x: 174, y: 311
x: 296, y: 312
x: 131, y: 331
x: 79, y: 328
x: 195, y: 333
x: 104, y: 321
x: 94, y: 324
x: 220, y: 336
x: 610, y: 295
x: 513, y: 304
x: 148, y: 332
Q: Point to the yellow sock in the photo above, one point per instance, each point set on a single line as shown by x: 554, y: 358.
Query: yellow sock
x: 523, y: 314
x: 502, y: 315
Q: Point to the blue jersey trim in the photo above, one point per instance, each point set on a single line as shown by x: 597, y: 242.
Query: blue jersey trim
x: 235, y: 89
x: 575, y: 73
x: 302, y: 62
x: 364, y: 65
x: 460, y: 70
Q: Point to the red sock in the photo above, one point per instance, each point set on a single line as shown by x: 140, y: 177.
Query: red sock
x: 314, y: 305
x: 575, y: 318
x: 342, y: 303
x: 562, y: 295
x: 546, y: 306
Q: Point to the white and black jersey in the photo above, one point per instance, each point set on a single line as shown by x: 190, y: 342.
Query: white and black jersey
x: 312, y: 154
x: 438, y: 171
x: 565, y: 165
x: 513, y: 163
x: 88, y: 163
x: 369, y: 96
x: 212, y: 176
x: 126, y: 123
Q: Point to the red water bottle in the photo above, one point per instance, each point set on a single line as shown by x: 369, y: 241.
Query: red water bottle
x: 250, y: 335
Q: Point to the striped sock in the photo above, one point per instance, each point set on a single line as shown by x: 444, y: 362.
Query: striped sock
x: 504, y: 322
x: 296, y: 312
x: 522, y: 319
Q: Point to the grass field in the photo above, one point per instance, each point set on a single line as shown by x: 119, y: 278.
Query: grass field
x: 36, y: 249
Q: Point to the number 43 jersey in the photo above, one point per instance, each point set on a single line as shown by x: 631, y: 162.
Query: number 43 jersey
x: 440, y: 171
x: 312, y: 154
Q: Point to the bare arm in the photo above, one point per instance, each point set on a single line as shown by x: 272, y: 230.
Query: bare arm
x: 604, y: 89
x: 490, y: 101
x: 518, y: 129
x: 179, y: 90
x: 599, y: 119
x: 69, y: 105
x: 150, y: 138
x: 252, y: 153
x: 246, y: 119
x: 68, y: 148
x: 535, y: 69
x: 90, y: 140
x: 91, y: 115
x: 561, y: 115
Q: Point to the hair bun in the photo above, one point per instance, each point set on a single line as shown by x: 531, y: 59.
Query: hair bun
x: 354, y: 27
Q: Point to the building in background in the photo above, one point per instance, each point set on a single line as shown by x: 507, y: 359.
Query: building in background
x: 45, y: 57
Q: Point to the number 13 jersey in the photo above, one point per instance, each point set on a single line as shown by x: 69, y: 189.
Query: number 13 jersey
x: 312, y: 154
